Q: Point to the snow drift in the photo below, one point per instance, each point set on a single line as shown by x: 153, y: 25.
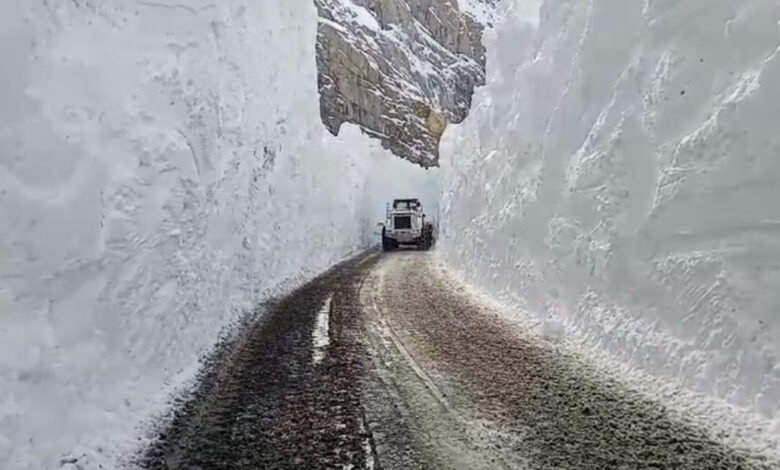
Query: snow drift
x: 162, y: 169
x: 619, y: 179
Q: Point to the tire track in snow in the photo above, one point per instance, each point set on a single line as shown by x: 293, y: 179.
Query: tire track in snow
x: 540, y: 407
x: 288, y: 395
x: 382, y: 363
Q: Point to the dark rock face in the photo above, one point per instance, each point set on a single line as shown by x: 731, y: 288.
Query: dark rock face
x: 400, y: 69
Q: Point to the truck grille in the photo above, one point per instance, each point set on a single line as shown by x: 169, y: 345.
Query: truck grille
x: 402, y: 222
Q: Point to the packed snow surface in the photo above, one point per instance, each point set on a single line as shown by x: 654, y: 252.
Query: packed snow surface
x: 618, y: 179
x: 320, y: 336
x: 162, y: 170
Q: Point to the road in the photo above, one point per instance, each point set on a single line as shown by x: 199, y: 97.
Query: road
x: 384, y: 362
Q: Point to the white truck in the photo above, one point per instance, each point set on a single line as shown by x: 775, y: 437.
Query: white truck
x: 405, y: 224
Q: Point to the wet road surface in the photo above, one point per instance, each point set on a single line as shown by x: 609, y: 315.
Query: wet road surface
x: 385, y: 363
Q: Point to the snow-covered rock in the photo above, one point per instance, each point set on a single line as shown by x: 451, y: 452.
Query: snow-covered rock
x: 162, y: 170
x: 401, y: 69
x: 619, y: 176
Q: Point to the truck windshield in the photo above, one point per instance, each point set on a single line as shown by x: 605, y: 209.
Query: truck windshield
x: 406, y: 204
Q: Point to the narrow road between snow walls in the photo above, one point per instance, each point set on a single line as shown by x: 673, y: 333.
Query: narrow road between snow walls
x: 386, y: 361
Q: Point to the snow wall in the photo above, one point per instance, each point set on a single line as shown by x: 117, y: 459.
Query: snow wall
x: 619, y: 180
x: 162, y: 169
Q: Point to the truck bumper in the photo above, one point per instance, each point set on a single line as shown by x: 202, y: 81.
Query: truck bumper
x: 405, y: 237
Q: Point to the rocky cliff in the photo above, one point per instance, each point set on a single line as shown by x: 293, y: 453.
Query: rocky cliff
x: 400, y: 69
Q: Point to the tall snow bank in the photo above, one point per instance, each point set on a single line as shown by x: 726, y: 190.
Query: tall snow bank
x: 162, y: 169
x: 619, y: 179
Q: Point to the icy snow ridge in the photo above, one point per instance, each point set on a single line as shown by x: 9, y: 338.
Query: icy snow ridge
x: 320, y: 336
x: 618, y: 178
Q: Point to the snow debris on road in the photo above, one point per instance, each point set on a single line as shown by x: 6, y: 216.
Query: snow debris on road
x: 321, y: 335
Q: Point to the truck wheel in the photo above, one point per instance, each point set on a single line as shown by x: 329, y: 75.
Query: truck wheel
x: 426, y: 241
x: 387, y: 243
